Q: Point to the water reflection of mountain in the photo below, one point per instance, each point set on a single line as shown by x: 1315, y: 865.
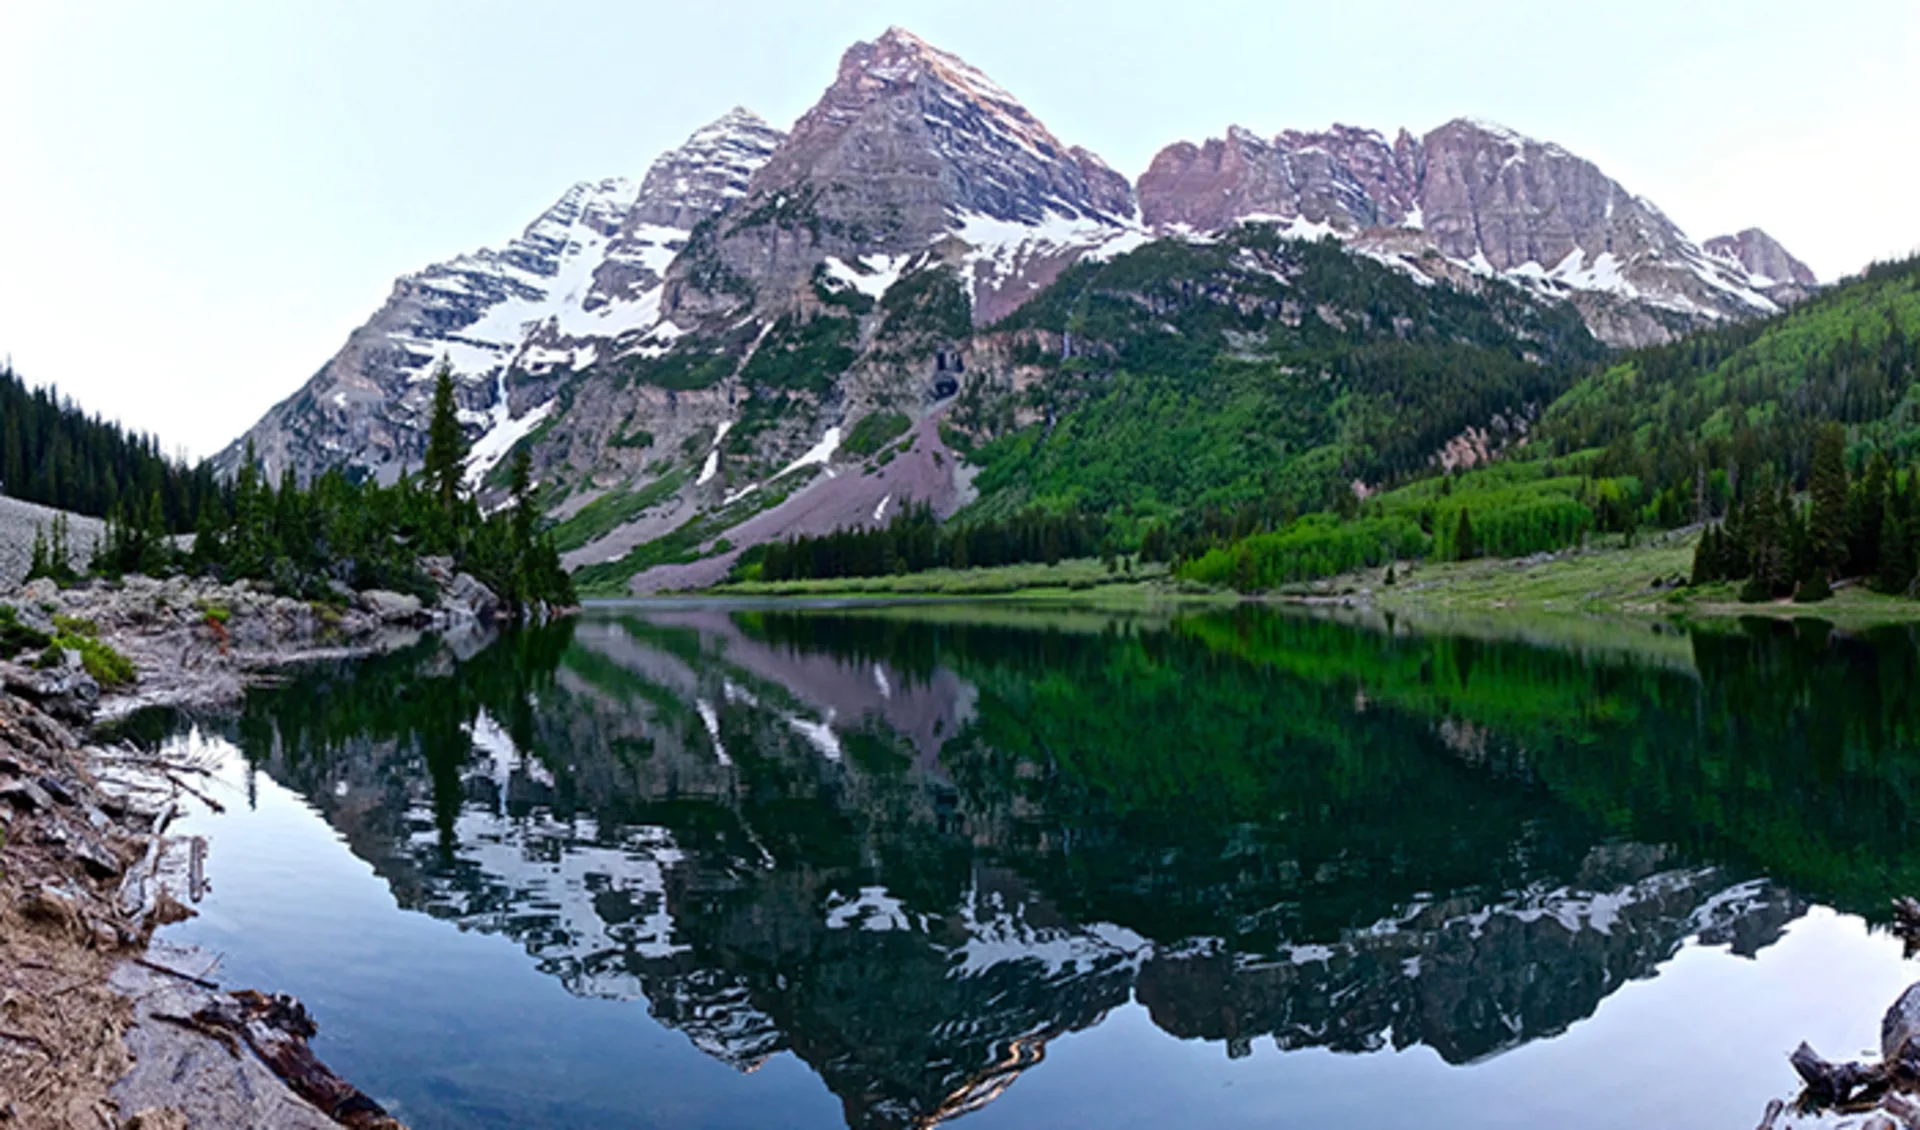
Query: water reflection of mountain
x: 913, y: 853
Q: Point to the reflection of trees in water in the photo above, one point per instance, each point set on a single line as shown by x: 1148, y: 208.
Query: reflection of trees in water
x: 914, y: 852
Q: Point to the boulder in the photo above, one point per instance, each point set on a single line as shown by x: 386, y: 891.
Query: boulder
x: 38, y: 592
x: 392, y: 607
x: 1901, y: 1024
x: 467, y: 598
x: 67, y: 694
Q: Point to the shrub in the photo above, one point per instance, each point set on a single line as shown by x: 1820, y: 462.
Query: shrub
x: 108, y: 667
x: 1814, y: 589
x: 1318, y: 545
x: 16, y: 637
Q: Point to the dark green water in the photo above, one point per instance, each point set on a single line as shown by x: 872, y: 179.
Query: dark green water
x: 725, y: 866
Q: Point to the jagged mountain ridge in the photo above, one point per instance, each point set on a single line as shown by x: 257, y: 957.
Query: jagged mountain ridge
x: 729, y: 320
x: 1489, y: 202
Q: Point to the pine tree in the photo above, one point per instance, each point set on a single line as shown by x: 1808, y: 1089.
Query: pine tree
x: 1706, y: 557
x: 1463, y: 548
x: 1827, y: 525
x: 40, y: 561
x: 525, y: 514
x: 1896, y: 570
x: 1867, y: 508
x: 446, y: 442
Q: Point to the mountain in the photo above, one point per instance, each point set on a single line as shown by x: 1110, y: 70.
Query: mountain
x: 777, y: 333
x: 581, y: 280
x: 910, y: 149
x: 1761, y: 256
x: 1475, y: 198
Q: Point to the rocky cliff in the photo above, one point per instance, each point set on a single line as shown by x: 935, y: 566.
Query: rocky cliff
x: 1474, y: 199
x: 1761, y: 256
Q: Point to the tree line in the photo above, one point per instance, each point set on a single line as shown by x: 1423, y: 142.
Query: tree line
x: 55, y: 454
x: 339, y: 533
x: 1850, y: 526
x: 915, y: 541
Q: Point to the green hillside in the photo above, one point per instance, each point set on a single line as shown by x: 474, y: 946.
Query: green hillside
x: 1257, y: 369
x: 1724, y: 427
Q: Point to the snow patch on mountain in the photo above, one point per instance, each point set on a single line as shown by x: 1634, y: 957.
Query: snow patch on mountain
x: 818, y: 454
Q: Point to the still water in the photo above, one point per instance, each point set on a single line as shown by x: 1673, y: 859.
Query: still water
x: 712, y: 866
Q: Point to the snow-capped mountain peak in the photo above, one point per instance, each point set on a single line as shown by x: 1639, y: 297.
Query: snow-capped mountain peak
x: 581, y: 278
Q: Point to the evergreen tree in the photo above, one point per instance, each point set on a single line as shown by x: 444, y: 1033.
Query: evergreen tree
x: 1896, y: 569
x: 1866, y: 511
x: 1706, y: 557
x: 525, y: 510
x: 40, y: 560
x: 1827, y: 540
x: 446, y: 443
x: 1463, y: 547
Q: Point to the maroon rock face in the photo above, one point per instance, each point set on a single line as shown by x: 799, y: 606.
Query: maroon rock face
x: 1761, y: 255
x: 1344, y: 177
x: 906, y: 142
x: 1489, y: 200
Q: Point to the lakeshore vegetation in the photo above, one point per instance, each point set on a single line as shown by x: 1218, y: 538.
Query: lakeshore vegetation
x: 326, y: 538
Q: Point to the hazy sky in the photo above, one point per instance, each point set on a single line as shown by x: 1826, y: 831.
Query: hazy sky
x: 198, y: 201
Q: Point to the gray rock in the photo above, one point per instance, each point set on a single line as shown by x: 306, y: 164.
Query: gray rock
x: 68, y: 695
x: 25, y: 796
x: 40, y: 591
x: 1902, y: 1022
x: 467, y: 598
x: 392, y: 607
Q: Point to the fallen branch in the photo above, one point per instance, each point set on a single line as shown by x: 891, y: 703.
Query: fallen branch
x: 171, y: 972
x: 277, y: 1029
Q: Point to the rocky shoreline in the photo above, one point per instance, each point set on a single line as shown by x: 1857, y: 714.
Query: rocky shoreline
x: 98, y: 1025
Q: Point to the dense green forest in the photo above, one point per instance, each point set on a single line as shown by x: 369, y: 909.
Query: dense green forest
x: 914, y: 541
x: 54, y: 454
x: 1794, y: 437
x: 1256, y: 370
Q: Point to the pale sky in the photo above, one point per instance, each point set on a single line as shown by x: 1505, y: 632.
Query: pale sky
x: 199, y: 200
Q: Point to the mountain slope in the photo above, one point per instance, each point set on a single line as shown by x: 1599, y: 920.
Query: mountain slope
x: 580, y: 281
x: 1257, y: 368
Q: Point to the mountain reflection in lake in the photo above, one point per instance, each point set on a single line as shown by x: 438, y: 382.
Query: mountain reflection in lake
x: 911, y: 853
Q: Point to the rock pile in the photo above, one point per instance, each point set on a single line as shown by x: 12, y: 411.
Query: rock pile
x: 195, y: 640
x: 68, y: 848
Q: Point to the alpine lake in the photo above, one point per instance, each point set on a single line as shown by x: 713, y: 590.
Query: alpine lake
x: 735, y: 865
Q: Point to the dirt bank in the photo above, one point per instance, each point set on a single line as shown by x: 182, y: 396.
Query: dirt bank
x: 99, y: 1028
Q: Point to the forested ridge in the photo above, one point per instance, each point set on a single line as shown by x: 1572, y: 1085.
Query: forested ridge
x: 55, y: 454
x: 1794, y: 439
x: 1257, y: 369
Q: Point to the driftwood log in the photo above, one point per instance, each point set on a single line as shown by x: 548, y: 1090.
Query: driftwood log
x: 277, y: 1029
x: 1883, y: 1086
x: 1844, y: 1086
